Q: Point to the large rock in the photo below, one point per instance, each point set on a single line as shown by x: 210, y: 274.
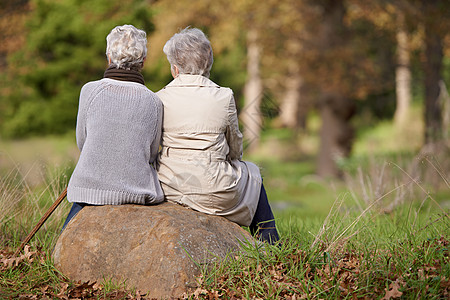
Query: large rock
x: 154, y: 248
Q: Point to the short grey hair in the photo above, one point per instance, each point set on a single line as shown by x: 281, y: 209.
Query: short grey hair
x: 126, y: 46
x: 191, y: 51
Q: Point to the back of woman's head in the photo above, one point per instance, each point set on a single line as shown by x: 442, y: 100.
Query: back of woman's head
x: 126, y: 47
x: 190, y: 50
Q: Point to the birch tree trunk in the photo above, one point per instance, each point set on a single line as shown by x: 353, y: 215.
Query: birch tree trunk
x: 293, y: 107
x: 402, y: 77
x: 251, y: 114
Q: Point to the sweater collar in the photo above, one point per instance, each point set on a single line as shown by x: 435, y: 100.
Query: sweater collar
x: 124, y: 75
x: 191, y: 80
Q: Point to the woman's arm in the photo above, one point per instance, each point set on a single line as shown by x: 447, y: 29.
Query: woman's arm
x: 81, y: 118
x: 232, y: 134
x: 154, y: 147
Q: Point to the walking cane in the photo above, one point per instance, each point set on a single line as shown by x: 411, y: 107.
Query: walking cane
x: 42, y: 221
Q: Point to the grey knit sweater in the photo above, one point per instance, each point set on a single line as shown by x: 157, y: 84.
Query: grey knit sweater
x: 118, y: 133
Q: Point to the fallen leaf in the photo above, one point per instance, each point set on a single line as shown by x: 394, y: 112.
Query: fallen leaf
x: 393, y: 291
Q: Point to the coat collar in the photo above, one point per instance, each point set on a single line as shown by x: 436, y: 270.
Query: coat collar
x: 191, y: 80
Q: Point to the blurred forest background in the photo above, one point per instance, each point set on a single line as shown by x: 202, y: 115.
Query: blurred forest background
x: 344, y: 105
x: 311, y: 78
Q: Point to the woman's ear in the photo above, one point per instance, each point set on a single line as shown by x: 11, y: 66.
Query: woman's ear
x: 143, y: 61
x: 174, y: 70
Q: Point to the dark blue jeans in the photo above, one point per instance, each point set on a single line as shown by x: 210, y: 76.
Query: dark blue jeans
x: 263, y: 223
x: 76, y: 207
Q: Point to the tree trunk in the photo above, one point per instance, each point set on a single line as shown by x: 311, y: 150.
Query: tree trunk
x: 293, y: 108
x: 444, y: 100
x: 336, y: 110
x: 336, y: 133
x: 432, y: 67
x: 251, y: 113
x: 402, y: 77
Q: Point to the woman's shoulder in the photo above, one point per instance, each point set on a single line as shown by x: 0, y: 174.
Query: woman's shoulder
x: 105, y: 83
x: 90, y: 84
x: 199, y: 84
x: 90, y: 88
x: 95, y: 85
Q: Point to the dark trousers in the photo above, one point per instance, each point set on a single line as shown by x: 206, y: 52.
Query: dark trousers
x: 263, y: 223
x: 76, y: 207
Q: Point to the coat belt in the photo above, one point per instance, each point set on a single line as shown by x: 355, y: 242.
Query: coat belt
x: 191, y: 154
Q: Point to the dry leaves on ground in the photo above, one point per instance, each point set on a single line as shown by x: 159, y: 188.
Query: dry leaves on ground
x: 64, y: 289
x: 339, y: 272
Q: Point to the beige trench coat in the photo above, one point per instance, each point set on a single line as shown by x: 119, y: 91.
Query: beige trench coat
x: 200, y: 160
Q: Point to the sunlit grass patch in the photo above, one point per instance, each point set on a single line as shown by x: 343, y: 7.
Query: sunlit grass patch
x: 386, y: 137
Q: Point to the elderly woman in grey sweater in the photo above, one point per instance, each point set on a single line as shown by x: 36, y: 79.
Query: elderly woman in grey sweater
x: 118, y: 130
x: 200, y: 162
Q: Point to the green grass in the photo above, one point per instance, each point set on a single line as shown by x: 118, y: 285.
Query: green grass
x: 378, y: 255
x: 292, y: 190
x: 351, y: 254
x: 381, y: 231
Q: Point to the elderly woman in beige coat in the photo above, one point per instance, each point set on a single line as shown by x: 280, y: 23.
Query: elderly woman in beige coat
x: 200, y: 162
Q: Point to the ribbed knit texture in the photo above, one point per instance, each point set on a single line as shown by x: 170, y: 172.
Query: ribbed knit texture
x: 118, y: 134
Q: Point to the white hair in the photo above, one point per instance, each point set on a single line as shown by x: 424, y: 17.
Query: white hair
x: 126, y: 46
x: 190, y: 50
